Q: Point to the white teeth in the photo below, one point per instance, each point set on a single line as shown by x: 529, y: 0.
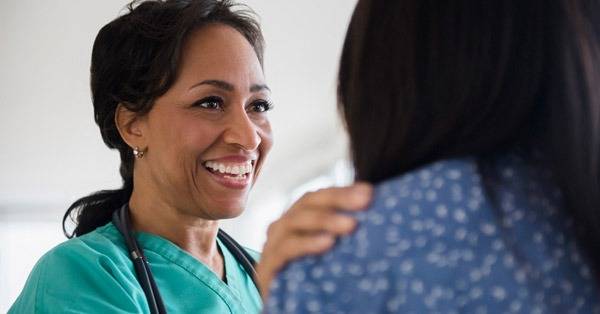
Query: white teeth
x: 234, y: 169
x: 238, y: 177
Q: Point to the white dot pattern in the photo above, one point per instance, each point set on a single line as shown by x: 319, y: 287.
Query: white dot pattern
x: 434, y: 242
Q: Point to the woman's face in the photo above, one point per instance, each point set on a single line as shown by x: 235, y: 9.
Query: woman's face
x: 209, y: 134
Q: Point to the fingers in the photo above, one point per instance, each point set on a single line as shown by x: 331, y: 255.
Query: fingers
x: 306, y: 232
x: 310, y: 227
x: 294, y: 246
x: 319, y: 211
x: 311, y: 220
x: 352, y: 198
x: 297, y: 246
x: 278, y: 253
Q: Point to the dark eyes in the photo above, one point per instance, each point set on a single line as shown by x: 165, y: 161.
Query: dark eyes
x: 216, y: 103
x: 261, y: 106
x: 213, y: 103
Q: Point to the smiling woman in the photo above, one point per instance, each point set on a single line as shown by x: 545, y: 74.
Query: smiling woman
x: 215, y: 113
x: 178, y: 89
x: 175, y: 84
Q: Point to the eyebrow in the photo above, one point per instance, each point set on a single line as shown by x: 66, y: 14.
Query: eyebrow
x: 229, y: 87
x: 259, y: 87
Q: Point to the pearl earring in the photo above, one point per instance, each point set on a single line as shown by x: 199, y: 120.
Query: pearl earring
x: 138, y: 153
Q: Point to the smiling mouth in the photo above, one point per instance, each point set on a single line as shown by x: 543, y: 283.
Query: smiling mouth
x: 233, y: 171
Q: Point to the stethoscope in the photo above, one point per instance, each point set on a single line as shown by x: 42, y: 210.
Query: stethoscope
x: 122, y: 221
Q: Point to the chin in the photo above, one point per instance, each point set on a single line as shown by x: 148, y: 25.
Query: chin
x: 227, y: 214
x: 227, y: 211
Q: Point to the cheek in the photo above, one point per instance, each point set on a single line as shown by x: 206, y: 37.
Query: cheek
x: 193, y: 135
x: 266, y: 143
x: 186, y: 145
x: 266, y: 136
x: 182, y: 143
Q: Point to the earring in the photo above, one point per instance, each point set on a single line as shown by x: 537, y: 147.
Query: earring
x: 138, y: 153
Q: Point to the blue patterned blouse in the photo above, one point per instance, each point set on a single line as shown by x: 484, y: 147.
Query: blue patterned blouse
x: 434, y: 242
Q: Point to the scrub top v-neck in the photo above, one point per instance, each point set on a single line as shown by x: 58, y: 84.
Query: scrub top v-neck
x: 93, y: 274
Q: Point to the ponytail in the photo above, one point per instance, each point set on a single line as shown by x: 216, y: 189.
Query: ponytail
x: 96, y: 210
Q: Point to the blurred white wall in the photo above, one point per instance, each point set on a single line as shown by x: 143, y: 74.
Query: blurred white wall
x: 51, y: 151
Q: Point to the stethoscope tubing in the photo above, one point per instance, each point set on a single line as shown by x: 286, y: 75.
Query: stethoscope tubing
x: 122, y: 222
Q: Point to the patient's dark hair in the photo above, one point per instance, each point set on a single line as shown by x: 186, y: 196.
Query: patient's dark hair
x: 135, y: 59
x: 423, y: 80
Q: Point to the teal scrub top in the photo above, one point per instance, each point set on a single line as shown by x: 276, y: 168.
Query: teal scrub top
x: 94, y: 274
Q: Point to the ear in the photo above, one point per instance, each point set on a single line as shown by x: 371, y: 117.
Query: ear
x: 131, y: 127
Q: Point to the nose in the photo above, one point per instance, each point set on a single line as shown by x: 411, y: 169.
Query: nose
x: 242, y: 131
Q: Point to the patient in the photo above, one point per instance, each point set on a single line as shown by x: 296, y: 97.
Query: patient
x: 479, y: 121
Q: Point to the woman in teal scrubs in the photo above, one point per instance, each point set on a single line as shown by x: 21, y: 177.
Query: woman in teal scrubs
x: 178, y: 89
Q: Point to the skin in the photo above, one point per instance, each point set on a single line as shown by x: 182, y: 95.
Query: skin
x: 174, y: 195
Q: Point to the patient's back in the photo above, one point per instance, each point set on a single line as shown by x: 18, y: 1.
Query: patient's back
x: 448, y: 239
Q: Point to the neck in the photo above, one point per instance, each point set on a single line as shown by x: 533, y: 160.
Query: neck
x: 194, y: 235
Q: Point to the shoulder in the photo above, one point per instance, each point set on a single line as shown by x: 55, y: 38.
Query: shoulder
x: 413, y: 211
x: 90, y: 266
x: 437, y: 182
x: 447, y: 191
x: 402, y: 240
x: 94, y: 249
